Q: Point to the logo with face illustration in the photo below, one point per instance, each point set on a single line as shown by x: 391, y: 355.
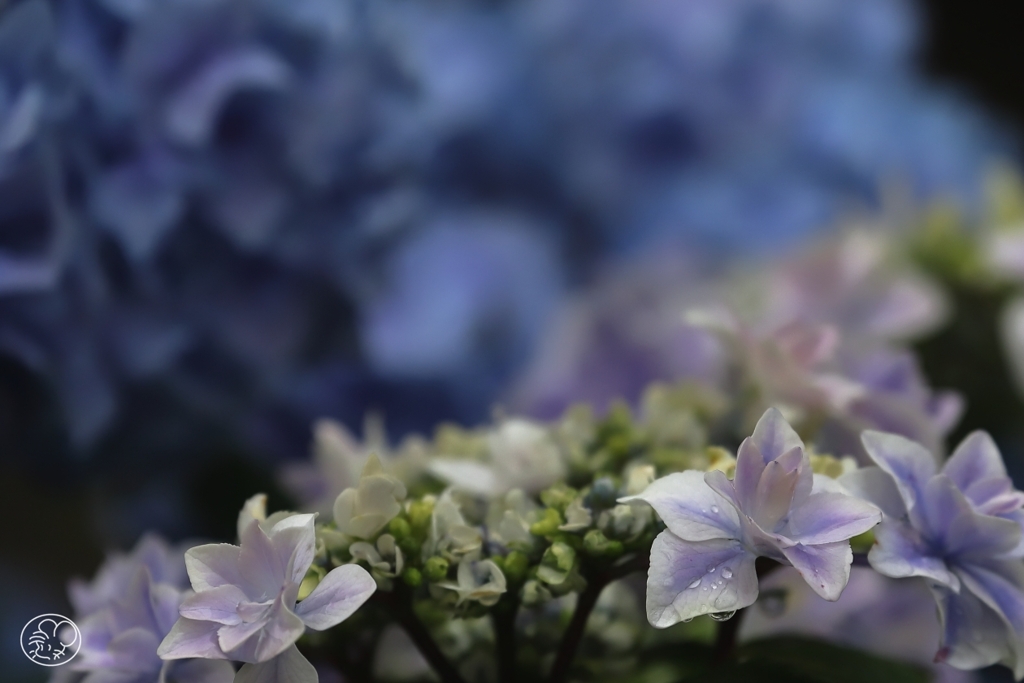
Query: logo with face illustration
x: 50, y: 640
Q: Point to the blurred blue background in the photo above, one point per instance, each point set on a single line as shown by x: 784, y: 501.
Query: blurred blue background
x: 223, y: 219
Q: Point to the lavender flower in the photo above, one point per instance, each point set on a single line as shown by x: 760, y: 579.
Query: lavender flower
x: 119, y: 642
x: 245, y: 602
x: 775, y: 507
x: 960, y: 529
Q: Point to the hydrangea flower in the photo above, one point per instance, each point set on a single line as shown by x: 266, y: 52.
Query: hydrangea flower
x: 245, y: 609
x: 362, y: 511
x: 521, y: 454
x: 958, y: 527
x: 119, y: 642
x: 775, y: 507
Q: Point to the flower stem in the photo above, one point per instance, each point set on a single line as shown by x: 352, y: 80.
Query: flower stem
x: 504, y: 620
x: 398, y: 604
x: 725, y: 639
x: 584, y: 606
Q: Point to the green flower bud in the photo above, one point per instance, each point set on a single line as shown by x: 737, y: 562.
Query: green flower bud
x: 412, y: 577
x: 535, y: 593
x: 436, y: 569
x: 558, y: 497
x: 313, y: 577
x: 596, y: 543
x: 548, y: 525
x: 560, y: 556
x: 420, y: 512
x: 399, y: 528
x: 515, y: 567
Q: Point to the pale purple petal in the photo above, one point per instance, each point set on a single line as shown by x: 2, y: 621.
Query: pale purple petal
x: 212, y: 565
x: 134, y: 649
x: 218, y: 604
x: 261, y: 565
x: 202, y: 671
x: 773, y: 436
x: 875, y: 486
x: 972, y: 536
x: 975, y: 459
x: 164, y: 601
x: 899, y: 552
x: 232, y: 637
x: 1000, y: 585
x: 940, y: 503
x: 973, y: 634
x: 336, y: 597
x: 295, y: 540
x: 721, y: 485
x: 690, y: 508
x: 825, y: 567
x: 288, y: 667
x: 281, y: 631
x: 749, y: 468
x: 774, y: 495
x: 688, y: 579
x: 189, y: 638
x: 907, y: 462
x: 831, y: 517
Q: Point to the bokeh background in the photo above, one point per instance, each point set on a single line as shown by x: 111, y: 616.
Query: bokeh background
x: 223, y: 219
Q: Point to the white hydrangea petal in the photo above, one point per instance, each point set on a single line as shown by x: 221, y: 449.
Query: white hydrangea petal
x: 688, y: 579
x: 294, y: 538
x: 470, y: 476
x: 189, y: 638
x: 336, y: 597
x: 218, y: 604
x: 288, y: 667
x: 212, y: 565
x: 825, y: 567
x: 253, y: 510
x: 690, y: 508
x: 774, y: 495
x: 749, y: 468
x: 281, y: 631
x: 973, y: 635
x: 1000, y: 585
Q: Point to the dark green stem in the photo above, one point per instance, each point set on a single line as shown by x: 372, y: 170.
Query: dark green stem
x: 584, y: 606
x: 504, y: 620
x: 398, y: 604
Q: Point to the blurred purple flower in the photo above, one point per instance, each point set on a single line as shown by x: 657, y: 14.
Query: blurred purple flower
x: 960, y: 530
x: 775, y: 507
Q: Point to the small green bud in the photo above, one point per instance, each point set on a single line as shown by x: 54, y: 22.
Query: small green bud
x: 596, y: 543
x: 412, y: 577
x: 559, y: 555
x: 399, y: 528
x: 604, y: 493
x: 409, y: 546
x: 420, y: 512
x: 314, y: 575
x: 558, y: 497
x: 516, y: 566
x: 863, y: 542
x: 436, y: 569
x: 548, y: 525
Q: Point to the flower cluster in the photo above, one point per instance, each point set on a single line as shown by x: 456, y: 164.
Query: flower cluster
x: 257, y: 219
x: 491, y: 539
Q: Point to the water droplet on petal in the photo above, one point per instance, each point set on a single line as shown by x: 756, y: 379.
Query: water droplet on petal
x: 687, y: 620
x: 711, y: 568
x: 727, y: 573
x: 696, y: 582
x: 704, y: 609
x: 723, y: 616
x: 714, y: 508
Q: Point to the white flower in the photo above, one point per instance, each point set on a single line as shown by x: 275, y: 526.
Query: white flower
x: 363, y: 511
x: 479, y: 580
x: 450, y: 536
x: 521, y: 455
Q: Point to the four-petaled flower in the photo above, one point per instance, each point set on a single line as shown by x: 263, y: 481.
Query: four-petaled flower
x: 245, y: 606
x: 960, y: 529
x: 775, y: 507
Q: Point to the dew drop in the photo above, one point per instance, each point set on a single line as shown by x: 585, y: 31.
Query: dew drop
x: 714, y: 508
x: 723, y: 616
x: 711, y: 568
x: 696, y: 582
x: 704, y: 609
x: 704, y: 588
x: 727, y: 573
x: 687, y: 620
